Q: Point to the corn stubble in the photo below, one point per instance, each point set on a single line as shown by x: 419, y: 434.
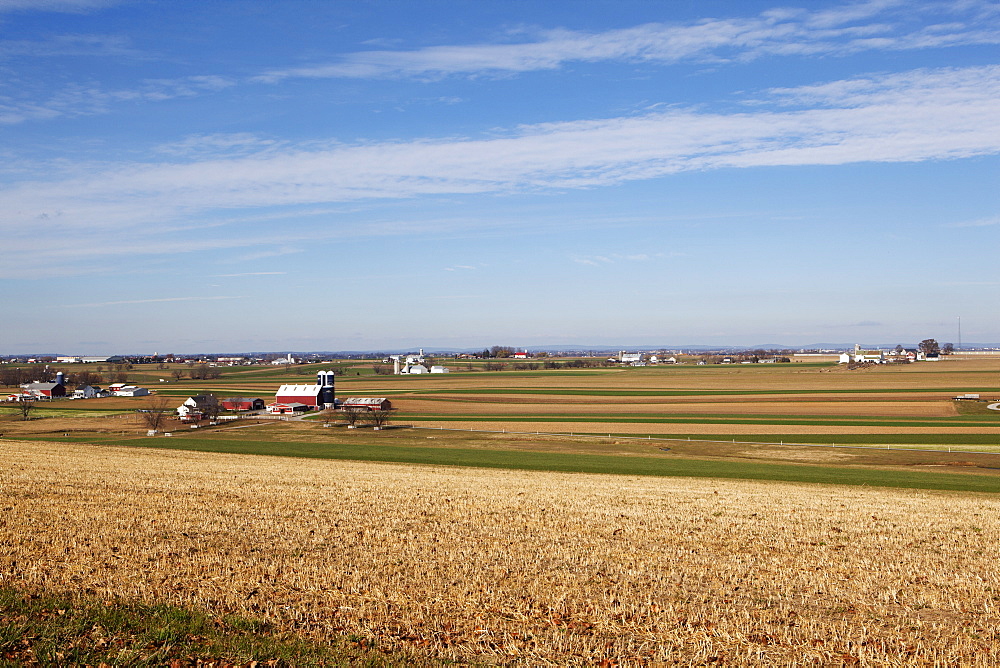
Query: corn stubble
x: 514, y: 567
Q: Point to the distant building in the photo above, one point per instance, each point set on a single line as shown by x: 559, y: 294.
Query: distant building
x: 133, y: 391
x: 242, y: 404
x: 366, y: 403
x: 300, y: 394
x: 86, y: 392
x: 281, y: 408
x: 414, y: 368
x: 635, y: 359
x: 194, y: 408
x: 439, y: 369
x: 49, y: 390
x: 320, y: 395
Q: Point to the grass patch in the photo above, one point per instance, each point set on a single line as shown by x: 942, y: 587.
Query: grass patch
x: 578, y: 463
x: 60, y: 630
x: 587, y: 392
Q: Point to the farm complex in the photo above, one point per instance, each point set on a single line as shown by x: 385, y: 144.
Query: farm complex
x: 800, y: 512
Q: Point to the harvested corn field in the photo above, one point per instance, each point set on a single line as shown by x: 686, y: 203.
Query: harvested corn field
x: 513, y: 567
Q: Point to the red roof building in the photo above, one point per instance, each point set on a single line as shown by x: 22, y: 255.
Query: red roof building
x: 299, y: 394
x: 242, y: 404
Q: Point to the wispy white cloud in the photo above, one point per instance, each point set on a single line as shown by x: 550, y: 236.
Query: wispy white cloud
x: 592, y: 260
x: 219, y: 143
x: 70, y: 6
x: 251, y: 273
x: 837, y: 31
x: 276, y: 251
x: 85, y: 100
x: 612, y: 258
x: 854, y: 27
x: 151, y: 301
x: 907, y: 117
x: 979, y: 222
x: 69, y: 45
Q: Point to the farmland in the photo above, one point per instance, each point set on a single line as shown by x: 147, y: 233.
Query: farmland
x: 790, y: 514
x: 800, y: 402
x: 512, y: 567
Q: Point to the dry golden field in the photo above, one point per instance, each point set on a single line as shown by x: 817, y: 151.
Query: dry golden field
x: 514, y: 567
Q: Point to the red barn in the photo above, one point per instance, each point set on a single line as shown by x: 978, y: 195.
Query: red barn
x: 242, y: 404
x: 299, y: 394
x: 46, y: 389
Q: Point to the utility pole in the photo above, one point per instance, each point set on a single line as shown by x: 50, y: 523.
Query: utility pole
x: 959, y: 332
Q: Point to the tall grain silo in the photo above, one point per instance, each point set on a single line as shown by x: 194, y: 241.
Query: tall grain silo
x: 327, y: 395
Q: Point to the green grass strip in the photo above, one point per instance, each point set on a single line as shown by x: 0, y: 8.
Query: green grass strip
x: 580, y: 463
x: 695, y: 393
x: 70, y: 630
x: 833, y: 439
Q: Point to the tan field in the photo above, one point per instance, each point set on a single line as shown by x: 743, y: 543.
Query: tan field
x: 555, y: 405
x: 695, y: 428
x: 515, y: 568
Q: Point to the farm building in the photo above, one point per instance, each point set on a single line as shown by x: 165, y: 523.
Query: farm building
x: 415, y: 368
x: 320, y: 395
x: 131, y: 391
x: 367, y: 403
x: 195, y: 407
x: 439, y: 369
x: 242, y: 404
x: 86, y: 392
x: 282, y: 408
x: 859, y: 355
x: 48, y: 390
x: 635, y: 359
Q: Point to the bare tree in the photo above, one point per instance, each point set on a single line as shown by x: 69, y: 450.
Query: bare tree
x: 177, y: 374
x: 379, y: 417
x: 154, y: 416
x: 929, y: 347
x: 328, y: 416
x: 86, y: 378
x: 351, y: 415
x: 211, y: 407
x: 11, y: 376
x: 26, y: 404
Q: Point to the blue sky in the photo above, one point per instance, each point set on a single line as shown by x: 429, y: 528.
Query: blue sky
x: 228, y: 176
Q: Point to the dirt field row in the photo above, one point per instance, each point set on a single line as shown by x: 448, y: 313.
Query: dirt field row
x: 511, y: 567
x: 519, y: 405
x: 697, y: 428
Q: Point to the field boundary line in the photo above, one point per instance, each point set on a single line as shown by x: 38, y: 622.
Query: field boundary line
x: 650, y: 438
